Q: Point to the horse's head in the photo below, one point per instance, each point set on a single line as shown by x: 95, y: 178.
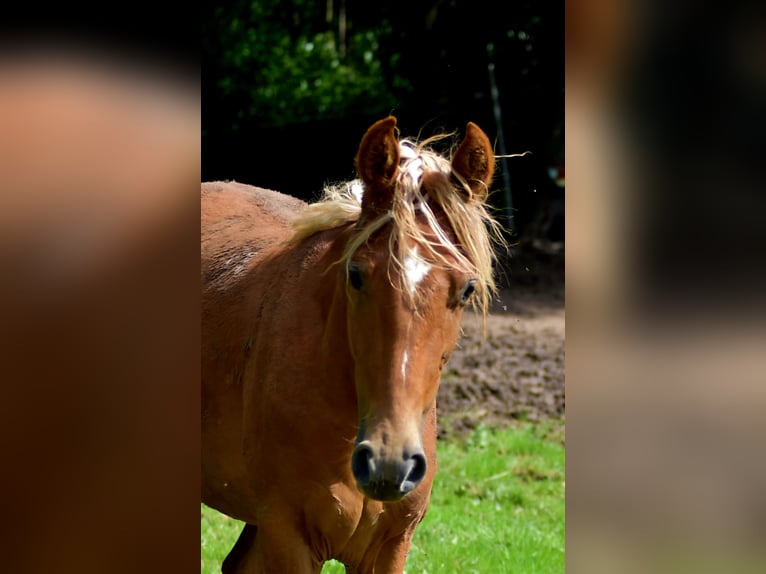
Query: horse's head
x: 420, y: 252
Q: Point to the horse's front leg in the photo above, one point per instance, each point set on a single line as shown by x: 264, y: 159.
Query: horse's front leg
x: 272, y: 548
x: 239, y: 558
x: 390, y: 559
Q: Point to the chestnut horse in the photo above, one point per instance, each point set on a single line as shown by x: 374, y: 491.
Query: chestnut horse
x: 325, y: 329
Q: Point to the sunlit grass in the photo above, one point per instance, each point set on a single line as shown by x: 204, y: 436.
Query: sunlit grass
x: 219, y: 533
x: 497, y: 507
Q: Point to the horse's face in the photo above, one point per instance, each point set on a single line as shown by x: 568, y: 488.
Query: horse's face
x: 400, y: 341
x: 403, y: 322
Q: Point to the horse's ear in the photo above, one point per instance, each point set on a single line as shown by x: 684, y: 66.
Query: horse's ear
x: 377, y: 162
x: 474, y: 161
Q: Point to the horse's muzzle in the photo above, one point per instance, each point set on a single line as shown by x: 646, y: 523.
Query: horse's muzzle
x: 384, y: 479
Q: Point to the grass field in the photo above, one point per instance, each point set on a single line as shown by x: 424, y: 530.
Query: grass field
x: 497, y: 507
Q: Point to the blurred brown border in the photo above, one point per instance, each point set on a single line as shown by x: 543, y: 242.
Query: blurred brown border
x: 99, y: 311
x: 665, y: 287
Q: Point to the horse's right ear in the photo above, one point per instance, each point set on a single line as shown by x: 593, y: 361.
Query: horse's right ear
x: 474, y: 161
x: 377, y: 163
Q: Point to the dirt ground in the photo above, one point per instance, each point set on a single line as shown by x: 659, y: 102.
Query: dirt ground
x: 514, y: 370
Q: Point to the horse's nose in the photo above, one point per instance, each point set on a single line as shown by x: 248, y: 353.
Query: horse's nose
x: 383, y: 479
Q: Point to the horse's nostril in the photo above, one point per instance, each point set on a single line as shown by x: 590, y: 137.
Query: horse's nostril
x: 416, y: 473
x: 386, y: 479
x: 362, y: 463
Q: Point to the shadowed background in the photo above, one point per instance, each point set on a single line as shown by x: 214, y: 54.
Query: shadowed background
x: 665, y: 287
x: 290, y: 88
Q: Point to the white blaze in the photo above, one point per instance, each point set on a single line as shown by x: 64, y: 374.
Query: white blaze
x: 415, y: 270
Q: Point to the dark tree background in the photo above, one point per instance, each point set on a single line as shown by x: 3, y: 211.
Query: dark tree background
x: 289, y: 87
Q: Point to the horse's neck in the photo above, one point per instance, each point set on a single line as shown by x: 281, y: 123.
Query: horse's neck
x: 335, y: 354
x: 318, y: 309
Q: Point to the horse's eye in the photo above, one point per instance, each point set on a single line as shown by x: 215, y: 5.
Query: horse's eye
x: 355, y: 277
x: 468, y: 290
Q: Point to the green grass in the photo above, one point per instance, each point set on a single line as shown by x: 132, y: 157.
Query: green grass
x: 497, y: 507
x: 219, y: 533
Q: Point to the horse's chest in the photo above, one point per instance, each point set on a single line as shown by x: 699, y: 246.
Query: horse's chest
x: 350, y: 525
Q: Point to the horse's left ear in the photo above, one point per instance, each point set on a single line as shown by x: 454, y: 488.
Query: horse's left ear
x: 474, y: 161
x: 377, y: 162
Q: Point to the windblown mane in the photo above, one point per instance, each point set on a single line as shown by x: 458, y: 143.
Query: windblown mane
x: 476, y: 232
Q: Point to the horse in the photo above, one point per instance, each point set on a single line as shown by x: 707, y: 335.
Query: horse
x: 325, y: 328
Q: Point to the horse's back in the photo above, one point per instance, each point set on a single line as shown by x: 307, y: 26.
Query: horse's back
x: 239, y: 222
x: 232, y: 199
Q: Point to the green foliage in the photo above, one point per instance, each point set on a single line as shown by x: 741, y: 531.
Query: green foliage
x: 497, y: 507
x: 282, y: 62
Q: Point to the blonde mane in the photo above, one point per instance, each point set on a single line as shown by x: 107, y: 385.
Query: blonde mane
x: 476, y: 232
